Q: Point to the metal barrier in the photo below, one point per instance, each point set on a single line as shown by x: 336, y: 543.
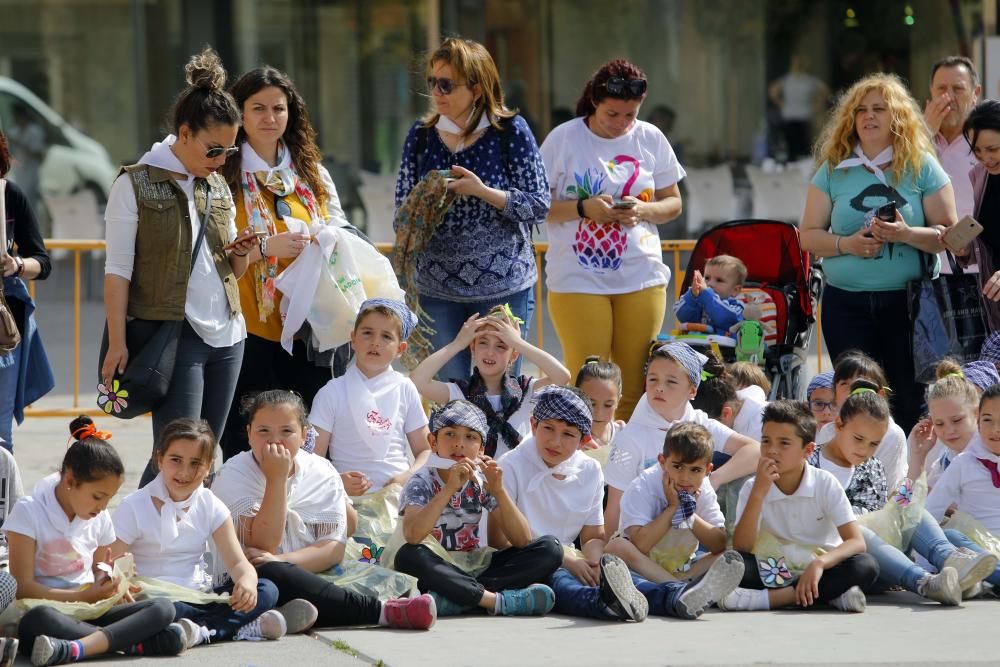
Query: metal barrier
x: 676, y: 247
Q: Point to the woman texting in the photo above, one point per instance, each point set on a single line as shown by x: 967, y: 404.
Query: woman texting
x: 876, y: 151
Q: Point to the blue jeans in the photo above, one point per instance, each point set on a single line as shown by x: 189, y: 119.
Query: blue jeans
x: 960, y: 540
x: 9, y: 368
x: 574, y: 598
x: 219, y: 616
x: 895, y: 569
x: 449, y: 316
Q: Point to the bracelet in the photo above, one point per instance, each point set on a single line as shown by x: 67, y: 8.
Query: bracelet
x: 20, y: 266
x: 579, y: 208
x: 839, y: 251
x: 263, y: 247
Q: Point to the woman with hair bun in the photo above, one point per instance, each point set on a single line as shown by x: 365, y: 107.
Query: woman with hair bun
x: 171, y: 259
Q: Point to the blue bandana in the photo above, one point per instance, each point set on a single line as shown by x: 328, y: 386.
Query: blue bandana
x: 555, y: 402
x: 822, y: 381
x: 687, y: 357
x: 983, y: 374
x: 459, y: 413
x: 407, y: 320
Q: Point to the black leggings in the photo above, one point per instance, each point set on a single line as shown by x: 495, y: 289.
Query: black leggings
x: 124, y: 625
x: 858, y: 570
x: 509, y: 568
x: 337, y: 606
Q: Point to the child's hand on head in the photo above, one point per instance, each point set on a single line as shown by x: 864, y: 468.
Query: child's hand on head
x: 467, y: 333
x: 670, y: 491
x: 922, y: 439
x: 767, y: 474
x: 355, y: 483
x: 275, y: 461
x: 697, y: 283
x: 505, y: 331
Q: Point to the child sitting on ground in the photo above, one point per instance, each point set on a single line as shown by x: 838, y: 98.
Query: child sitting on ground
x: 292, y: 516
x: 446, y: 499
x: 717, y: 397
x: 819, y: 395
x: 673, y: 375
x: 60, y: 541
x: 601, y: 381
x: 798, y: 504
x: 165, y: 526
x: 669, y: 509
x: 495, y: 343
x: 711, y: 299
x: 365, y: 418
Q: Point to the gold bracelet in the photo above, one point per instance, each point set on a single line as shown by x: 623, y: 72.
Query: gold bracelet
x: 839, y: 251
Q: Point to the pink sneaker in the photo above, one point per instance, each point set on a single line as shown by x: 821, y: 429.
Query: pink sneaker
x: 416, y: 613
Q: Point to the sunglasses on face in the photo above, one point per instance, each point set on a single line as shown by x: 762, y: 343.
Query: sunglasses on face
x: 212, y: 152
x: 621, y: 87
x: 445, y: 86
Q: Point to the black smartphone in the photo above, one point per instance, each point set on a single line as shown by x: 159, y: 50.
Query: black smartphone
x: 887, y: 212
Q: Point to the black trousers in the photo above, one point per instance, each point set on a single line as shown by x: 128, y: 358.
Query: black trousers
x: 125, y: 625
x: 510, y: 568
x: 859, y: 570
x: 337, y: 606
x: 266, y: 365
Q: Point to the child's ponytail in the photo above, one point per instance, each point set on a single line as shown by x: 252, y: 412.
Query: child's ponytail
x: 717, y: 387
x: 90, y: 456
x: 951, y: 383
x: 865, y: 399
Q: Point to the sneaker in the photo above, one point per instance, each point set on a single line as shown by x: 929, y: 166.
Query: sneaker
x: 618, y: 593
x: 269, y: 625
x: 192, y: 631
x: 720, y: 580
x: 852, y: 600
x: 974, y: 592
x: 943, y: 587
x: 51, y: 651
x: 172, y: 640
x: 535, y: 600
x: 9, y: 651
x: 446, y: 607
x: 740, y: 599
x: 416, y: 613
x: 972, y: 567
x: 300, y: 615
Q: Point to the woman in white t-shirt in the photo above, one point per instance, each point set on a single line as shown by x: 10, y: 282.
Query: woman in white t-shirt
x: 613, y: 179
x: 165, y: 526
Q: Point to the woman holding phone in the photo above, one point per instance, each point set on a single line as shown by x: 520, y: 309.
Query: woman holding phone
x: 275, y: 176
x: 878, y: 204
x: 614, y: 178
x: 156, y: 269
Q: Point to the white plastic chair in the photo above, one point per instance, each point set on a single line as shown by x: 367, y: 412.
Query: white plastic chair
x: 710, y: 197
x: 777, y: 196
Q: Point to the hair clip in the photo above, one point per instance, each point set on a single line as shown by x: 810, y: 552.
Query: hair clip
x: 862, y: 390
x: 705, y: 375
x: 90, y: 431
x: 508, y: 313
x: 591, y: 361
x: 956, y: 374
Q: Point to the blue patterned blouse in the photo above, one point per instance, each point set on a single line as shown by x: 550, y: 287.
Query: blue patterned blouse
x: 479, y: 252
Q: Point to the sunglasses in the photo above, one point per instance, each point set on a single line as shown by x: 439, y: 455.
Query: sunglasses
x: 446, y: 86
x: 620, y: 87
x: 212, y: 152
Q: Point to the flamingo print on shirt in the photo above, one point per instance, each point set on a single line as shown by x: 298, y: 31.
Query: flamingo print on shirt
x: 600, y: 248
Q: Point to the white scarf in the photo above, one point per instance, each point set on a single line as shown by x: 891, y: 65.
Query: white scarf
x: 446, y: 124
x: 172, y: 512
x: 441, y: 463
x: 861, y: 160
x: 317, y: 504
x: 372, y: 402
x: 570, y: 468
x: 978, y: 449
x: 644, y: 415
x: 250, y: 161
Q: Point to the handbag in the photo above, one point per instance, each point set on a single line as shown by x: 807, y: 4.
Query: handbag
x: 152, y: 346
x: 10, y: 337
x: 947, y: 318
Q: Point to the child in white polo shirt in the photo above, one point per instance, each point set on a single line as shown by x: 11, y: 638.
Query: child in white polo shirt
x: 799, y: 505
x: 367, y: 417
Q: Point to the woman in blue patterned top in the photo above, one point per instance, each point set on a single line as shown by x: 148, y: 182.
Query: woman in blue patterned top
x: 481, y: 254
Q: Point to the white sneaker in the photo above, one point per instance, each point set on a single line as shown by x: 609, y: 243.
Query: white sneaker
x: 974, y: 592
x: 720, y: 580
x: 741, y: 599
x: 269, y: 625
x: 943, y: 587
x: 972, y: 567
x: 852, y: 600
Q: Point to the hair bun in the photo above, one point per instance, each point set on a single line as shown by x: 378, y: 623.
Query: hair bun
x: 713, y: 364
x: 80, y: 422
x: 592, y: 359
x: 947, y: 367
x: 205, y: 71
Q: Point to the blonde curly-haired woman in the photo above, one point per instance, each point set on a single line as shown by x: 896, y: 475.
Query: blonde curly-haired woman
x: 876, y: 150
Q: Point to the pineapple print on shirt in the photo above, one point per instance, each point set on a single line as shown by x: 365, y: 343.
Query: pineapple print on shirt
x: 600, y: 248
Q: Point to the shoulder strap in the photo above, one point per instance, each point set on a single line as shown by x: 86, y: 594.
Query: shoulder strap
x: 203, y: 225
x: 3, y: 220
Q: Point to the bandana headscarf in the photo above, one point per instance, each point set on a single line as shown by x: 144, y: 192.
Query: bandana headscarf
x: 983, y: 374
x: 991, y: 349
x: 512, y: 390
x: 822, y: 381
x: 459, y: 413
x: 861, y: 160
x: 687, y: 357
x: 683, y: 517
x: 555, y: 402
x: 407, y: 320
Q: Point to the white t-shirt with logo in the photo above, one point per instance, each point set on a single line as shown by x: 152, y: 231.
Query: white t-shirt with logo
x: 584, y: 256
x: 331, y: 412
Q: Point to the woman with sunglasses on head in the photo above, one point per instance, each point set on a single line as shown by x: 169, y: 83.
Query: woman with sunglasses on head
x: 171, y: 259
x: 614, y: 179
x: 276, y: 175
x: 480, y: 255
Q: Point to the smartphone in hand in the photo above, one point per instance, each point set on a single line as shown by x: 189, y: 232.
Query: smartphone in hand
x: 959, y: 235
x: 624, y: 204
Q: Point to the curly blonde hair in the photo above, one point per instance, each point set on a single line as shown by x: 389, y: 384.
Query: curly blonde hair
x: 911, y: 140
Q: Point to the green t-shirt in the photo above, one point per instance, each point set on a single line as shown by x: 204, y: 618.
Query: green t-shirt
x: 855, y: 193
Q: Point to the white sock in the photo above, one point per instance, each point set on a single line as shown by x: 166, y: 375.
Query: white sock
x: 760, y: 601
x: 498, y: 605
x: 381, y: 616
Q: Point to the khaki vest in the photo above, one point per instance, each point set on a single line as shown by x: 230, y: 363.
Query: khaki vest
x: 163, y: 243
